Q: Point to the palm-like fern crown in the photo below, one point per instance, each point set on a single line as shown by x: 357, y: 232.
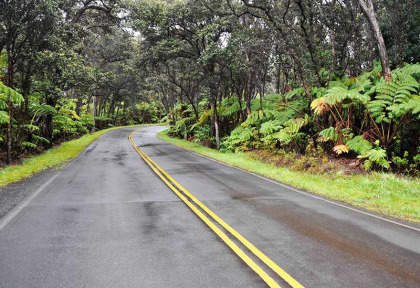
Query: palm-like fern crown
x: 393, y: 96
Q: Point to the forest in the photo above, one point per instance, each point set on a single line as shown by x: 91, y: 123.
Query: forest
x: 313, y: 84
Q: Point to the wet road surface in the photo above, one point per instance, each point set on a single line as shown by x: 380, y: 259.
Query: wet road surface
x: 107, y: 220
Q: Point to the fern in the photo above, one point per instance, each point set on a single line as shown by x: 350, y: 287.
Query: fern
x: 377, y: 156
x: 339, y: 149
x: 4, y: 117
x: 411, y: 69
x: 333, y: 84
x: 39, y: 138
x: 359, y: 145
x: 292, y: 127
x: 3, y: 104
x: 257, y: 117
x: 298, y: 91
x: 29, y: 145
x: 43, y: 110
x: 337, y: 95
x: 270, y: 127
x: 5, y: 92
x: 328, y: 134
x: 205, y: 116
x: 32, y: 128
x: 233, y: 109
x: 284, y: 136
x: 392, y: 97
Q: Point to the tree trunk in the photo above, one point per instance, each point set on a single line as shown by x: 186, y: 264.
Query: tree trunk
x: 333, y: 50
x: 9, y: 109
x: 370, y: 61
x: 94, y: 113
x: 9, y: 129
x: 368, y: 11
x: 215, y: 121
x: 248, y: 91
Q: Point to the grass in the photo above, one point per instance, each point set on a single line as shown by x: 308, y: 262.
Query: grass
x: 56, y: 157
x: 385, y: 193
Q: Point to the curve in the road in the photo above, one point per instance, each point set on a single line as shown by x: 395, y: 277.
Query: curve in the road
x: 181, y: 191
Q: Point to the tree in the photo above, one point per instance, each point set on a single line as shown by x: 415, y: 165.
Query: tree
x: 369, y: 12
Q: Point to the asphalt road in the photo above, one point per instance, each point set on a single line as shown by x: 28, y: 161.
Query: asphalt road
x: 107, y: 220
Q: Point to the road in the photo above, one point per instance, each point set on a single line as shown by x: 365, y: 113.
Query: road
x: 107, y: 220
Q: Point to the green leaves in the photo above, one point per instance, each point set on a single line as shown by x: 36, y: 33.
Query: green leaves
x: 376, y: 156
x: 337, y: 95
x: 292, y: 127
x: 328, y: 134
x: 6, y: 92
x: 359, y: 145
x: 42, y: 110
x: 372, y: 156
x: 270, y: 127
x: 392, y: 97
x: 4, y: 117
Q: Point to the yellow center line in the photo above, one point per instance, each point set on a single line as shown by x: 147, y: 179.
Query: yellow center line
x: 279, y: 271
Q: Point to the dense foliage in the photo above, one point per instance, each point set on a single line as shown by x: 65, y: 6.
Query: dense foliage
x: 69, y: 67
x: 335, y: 77
x: 289, y: 76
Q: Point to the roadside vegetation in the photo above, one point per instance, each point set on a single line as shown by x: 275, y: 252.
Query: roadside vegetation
x: 380, y: 192
x: 55, y: 157
x: 67, y: 68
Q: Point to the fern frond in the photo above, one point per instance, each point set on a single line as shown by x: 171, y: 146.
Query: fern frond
x: 378, y: 156
x: 284, y: 136
x: 4, y: 117
x: 270, y: 127
x: 43, y: 109
x: 42, y: 139
x: 411, y: 69
x: 298, y: 91
x: 320, y: 106
x: 359, y: 145
x: 6, y: 91
x: 3, y: 105
x: 339, y: 149
x: 233, y: 109
x: 328, y: 134
x: 32, y: 128
x: 29, y: 145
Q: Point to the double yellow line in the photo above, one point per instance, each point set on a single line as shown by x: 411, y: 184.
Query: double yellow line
x: 177, y: 189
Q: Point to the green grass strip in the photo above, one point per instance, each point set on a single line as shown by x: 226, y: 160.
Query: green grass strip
x: 385, y: 193
x: 50, y: 158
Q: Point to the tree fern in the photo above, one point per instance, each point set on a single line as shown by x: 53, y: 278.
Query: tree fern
x: 43, y: 110
x: 39, y: 138
x: 411, y: 69
x: 257, y: 117
x: 376, y: 156
x: 292, y: 127
x: 4, y: 117
x: 5, y: 92
x: 298, y: 91
x: 359, y: 145
x: 233, y: 109
x: 328, y: 134
x: 342, y: 148
x: 29, y: 145
x: 270, y: 127
x: 3, y: 104
x: 392, y: 96
x: 32, y: 128
x: 337, y: 95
